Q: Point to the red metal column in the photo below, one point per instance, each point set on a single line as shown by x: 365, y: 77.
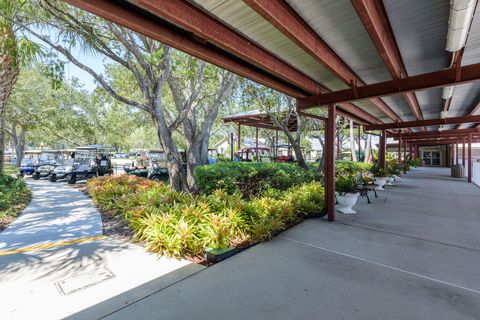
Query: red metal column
x: 256, y: 142
x: 359, y: 143
x: 276, y: 144
x: 382, y: 150
x: 330, y: 163
x: 452, y: 151
x: 404, y: 150
x: 410, y: 151
x: 399, y: 147
x: 417, y: 151
x: 239, y: 133
x: 456, y: 152
x: 463, y: 152
x: 469, y: 157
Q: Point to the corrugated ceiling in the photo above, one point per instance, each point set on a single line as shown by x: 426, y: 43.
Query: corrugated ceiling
x: 420, y: 29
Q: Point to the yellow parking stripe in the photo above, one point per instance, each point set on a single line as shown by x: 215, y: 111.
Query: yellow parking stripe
x: 50, y: 245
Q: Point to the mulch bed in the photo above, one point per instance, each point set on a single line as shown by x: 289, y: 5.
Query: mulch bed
x: 4, y: 222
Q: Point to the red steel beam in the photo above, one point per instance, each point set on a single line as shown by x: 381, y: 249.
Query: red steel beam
x: 155, y: 28
x: 143, y: 23
x: 421, y: 123
x: 285, y: 19
x: 425, y: 81
x: 441, y: 133
x: 375, y: 19
x: 204, y: 26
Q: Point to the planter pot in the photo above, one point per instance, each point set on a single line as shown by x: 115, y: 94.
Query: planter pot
x: 380, y: 182
x: 345, y: 202
x: 396, y: 177
x: 390, y: 181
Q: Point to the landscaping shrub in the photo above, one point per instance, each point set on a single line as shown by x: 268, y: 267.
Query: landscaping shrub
x: 252, y: 178
x: 180, y: 224
x: 14, y: 196
x: 352, y: 167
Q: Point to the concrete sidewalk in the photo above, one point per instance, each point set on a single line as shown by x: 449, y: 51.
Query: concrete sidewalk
x: 414, y: 253
x: 54, y: 261
x: 56, y: 213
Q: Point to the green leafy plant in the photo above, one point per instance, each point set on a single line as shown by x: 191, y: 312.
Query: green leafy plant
x: 378, y: 172
x: 345, y: 184
x: 185, y: 225
x: 252, y: 179
x: 14, y: 196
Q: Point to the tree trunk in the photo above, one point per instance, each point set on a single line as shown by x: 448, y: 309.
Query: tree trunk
x: 368, y: 149
x: 297, y: 150
x: 19, y: 142
x: 352, y: 143
x: 177, y: 176
x: 2, y: 143
x: 8, y: 77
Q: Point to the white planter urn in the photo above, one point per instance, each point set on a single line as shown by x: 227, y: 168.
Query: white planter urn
x: 390, y: 181
x: 396, y: 177
x: 380, y: 182
x: 345, y: 202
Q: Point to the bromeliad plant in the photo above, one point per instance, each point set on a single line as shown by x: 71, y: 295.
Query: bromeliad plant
x: 184, y: 225
x: 378, y: 172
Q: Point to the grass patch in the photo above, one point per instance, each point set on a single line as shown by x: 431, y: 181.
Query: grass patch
x: 14, y: 197
x: 185, y: 225
x: 10, y: 169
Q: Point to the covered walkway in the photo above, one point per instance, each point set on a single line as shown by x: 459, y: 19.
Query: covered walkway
x: 414, y: 253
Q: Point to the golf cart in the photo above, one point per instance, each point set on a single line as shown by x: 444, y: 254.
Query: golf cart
x: 60, y: 172
x: 29, y: 163
x: 89, y: 162
x: 283, y: 153
x: 47, y: 162
x: 151, y: 165
x: 254, y: 154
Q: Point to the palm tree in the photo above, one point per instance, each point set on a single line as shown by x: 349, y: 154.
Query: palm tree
x: 13, y: 52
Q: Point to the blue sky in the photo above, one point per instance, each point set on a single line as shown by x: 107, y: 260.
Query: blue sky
x: 94, y: 62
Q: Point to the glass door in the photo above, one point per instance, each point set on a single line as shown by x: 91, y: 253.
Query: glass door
x: 431, y: 158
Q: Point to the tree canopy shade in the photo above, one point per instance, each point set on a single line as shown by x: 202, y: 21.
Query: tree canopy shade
x: 175, y: 90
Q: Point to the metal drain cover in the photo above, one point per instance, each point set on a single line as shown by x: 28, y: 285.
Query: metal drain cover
x: 83, y: 280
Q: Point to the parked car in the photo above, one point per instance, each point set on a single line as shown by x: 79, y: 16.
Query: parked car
x: 120, y: 155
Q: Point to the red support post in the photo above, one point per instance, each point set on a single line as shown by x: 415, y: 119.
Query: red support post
x: 469, y: 157
x: 417, y: 151
x: 452, y: 152
x: 456, y: 152
x: 382, y: 150
x: 399, y: 147
x: 463, y: 152
x: 256, y: 141
x: 410, y: 151
x: 239, y: 133
x: 330, y: 163
x: 359, y: 143
x: 404, y: 150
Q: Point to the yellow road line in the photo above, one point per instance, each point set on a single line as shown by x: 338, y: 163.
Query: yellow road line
x: 50, y: 245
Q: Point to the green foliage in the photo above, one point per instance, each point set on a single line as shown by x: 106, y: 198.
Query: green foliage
x: 14, y: 196
x: 352, y: 167
x: 180, y: 224
x: 378, y: 171
x: 345, y: 183
x: 251, y: 178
